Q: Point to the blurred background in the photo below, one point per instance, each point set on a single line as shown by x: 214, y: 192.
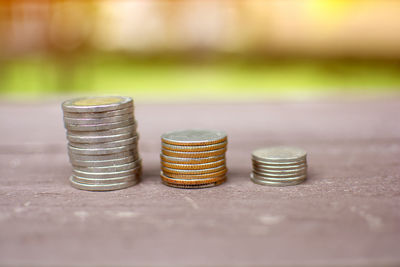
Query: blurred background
x: 171, y: 50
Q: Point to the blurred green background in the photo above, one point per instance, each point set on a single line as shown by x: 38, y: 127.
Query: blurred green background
x: 175, y: 50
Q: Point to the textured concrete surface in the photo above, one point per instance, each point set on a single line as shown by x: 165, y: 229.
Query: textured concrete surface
x: 346, y: 214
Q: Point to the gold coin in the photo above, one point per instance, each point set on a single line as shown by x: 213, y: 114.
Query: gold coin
x: 194, y: 148
x: 200, y: 171
x: 196, y: 176
x: 97, y: 104
x: 186, y: 186
x: 95, y: 101
x: 176, y: 160
x: 204, y: 154
x: 193, y: 166
x: 192, y: 181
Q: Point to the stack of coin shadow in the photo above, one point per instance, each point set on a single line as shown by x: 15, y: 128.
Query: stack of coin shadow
x: 103, y: 143
x: 193, y: 158
x: 279, y: 166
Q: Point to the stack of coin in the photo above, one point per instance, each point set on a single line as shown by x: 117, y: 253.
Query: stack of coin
x: 279, y: 166
x: 193, y: 158
x: 103, y: 143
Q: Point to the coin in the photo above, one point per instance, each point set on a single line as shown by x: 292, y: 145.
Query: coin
x: 113, y: 180
x: 279, y: 166
x: 170, y: 159
x: 279, y: 175
x: 99, y: 127
x: 204, y: 154
x: 270, y: 183
x: 97, y: 104
x: 193, y: 166
x: 183, y: 176
x: 123, y: 130
x: 110, y: 168
x: 280, y: 179
x: 104, y: 175
x: 194, y: 148
x: 99, y: 115
x: 102, y: 187
x: 103, y: 181
x: 99, y: 139
x: 191, y: 181
x: 124, y: 154
x: 89, y: 121
x: 194, y: 137
x: 282, y: 171
x: 279, y: 154
x: 102, y: 163
x: 118, y: 143
x: 101, y: 151
x: 186, y: 186
x: 198, y: 171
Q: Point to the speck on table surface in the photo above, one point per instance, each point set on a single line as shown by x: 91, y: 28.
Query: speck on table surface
x: 346, y: 214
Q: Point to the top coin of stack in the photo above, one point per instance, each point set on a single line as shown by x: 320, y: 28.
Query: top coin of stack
x: 102, y: 142
x: 193, y: 158
x: 279, y: 166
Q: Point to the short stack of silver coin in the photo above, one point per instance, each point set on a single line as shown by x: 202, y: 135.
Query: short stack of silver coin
x: 193, y: 158
x: 103, y: 143
x: 279, y: 166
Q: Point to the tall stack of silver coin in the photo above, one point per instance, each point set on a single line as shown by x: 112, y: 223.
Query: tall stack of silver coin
x: 103, y: 143
x: 279, y: 166
x: 193, y: 158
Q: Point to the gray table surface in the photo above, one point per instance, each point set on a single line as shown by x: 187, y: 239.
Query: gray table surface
x: 346, y: 214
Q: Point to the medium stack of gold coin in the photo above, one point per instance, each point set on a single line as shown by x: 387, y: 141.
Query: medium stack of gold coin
x: 193, y: 158
x: 103, y: 143
x: 279, y: 166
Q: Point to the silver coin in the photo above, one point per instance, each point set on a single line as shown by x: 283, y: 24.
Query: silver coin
x: 199, y: 171
x: 102, y: 163
x: 97, y: 104
x: 279, y: 154
x: 102, y: 187
x: 105, y: 175
x: 201, y: 148
x: 271, y: 183
x: 123, y: 130
x: 279, y: 175
x: 86, y: 121
x: 202, y: 154
x: 191, y: 160
x: 124, y: 154
x: 99, y: 115
x: 113, y: 180
x: 99, y: 127
x: 280, y: 163
x: 268, y: 170
x: 280, y: 166
x: 101, y: 151
x: 99, y: 139
x: 282, y: 180
x: 110, y: 168
x: 194, y: 137
x: 124, y: 142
